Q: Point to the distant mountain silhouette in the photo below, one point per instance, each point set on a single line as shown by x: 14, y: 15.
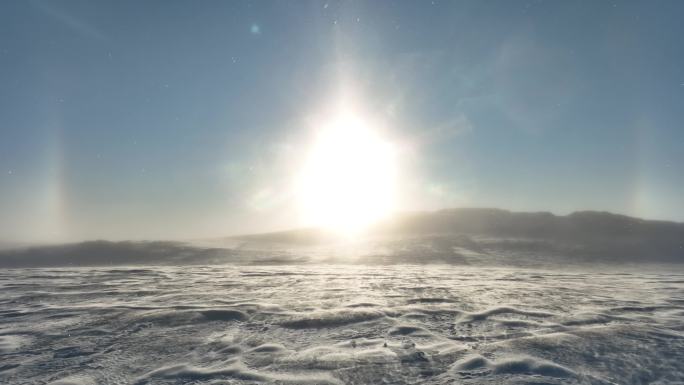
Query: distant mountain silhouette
x: 461, y: 236
x: 586, y: 235
x: 106, y: 253
x: 581, y: 226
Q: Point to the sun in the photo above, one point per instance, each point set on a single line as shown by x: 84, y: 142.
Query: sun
x: 348, y: 179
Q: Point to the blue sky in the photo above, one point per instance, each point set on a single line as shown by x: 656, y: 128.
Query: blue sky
x: 179, y: 119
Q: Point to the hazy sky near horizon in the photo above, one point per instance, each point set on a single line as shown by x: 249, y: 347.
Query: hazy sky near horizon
x: 180, y: 119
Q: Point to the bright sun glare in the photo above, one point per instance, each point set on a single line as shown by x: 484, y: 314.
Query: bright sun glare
x: 349, y: 177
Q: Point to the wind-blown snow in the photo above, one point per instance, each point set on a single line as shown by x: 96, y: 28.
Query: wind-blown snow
x: 333, y: 324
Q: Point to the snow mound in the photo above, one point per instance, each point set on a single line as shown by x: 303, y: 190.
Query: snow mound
x: 331, y: 318
x: 470, y: 317
x: 236, y: 371
x: 514, y: 365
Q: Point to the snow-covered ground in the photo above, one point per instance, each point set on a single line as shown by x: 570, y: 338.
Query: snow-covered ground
x: 340, y: 324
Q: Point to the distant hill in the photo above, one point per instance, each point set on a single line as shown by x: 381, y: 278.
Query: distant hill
x: 458, y: 236
x: 106, y: 253
x: 586, y: 235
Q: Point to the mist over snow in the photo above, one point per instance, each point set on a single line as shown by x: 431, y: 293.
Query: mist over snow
x: 455, y: 236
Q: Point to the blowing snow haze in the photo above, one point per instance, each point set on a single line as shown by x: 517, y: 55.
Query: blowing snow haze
x: 456, y: 236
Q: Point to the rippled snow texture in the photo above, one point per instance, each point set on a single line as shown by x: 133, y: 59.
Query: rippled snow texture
x: 339, y: 325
